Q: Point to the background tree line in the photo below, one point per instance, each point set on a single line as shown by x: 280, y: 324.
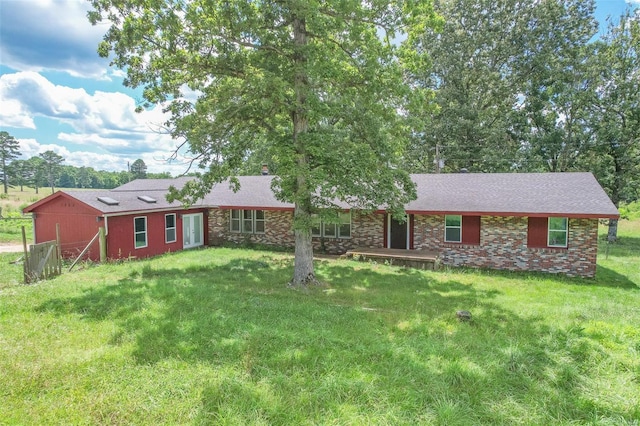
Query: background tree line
x: 531, y: 87
x: 47, y: 170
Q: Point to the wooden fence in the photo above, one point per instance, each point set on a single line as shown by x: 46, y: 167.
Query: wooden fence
x: 42, y: 262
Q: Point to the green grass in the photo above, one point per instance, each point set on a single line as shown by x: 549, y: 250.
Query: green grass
x: 11, y: 220
x: 214, y: 337
x: 11, y: 230
x: 15, y: 200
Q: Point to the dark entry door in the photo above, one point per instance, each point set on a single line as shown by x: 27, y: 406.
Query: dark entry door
x: 398, y: 234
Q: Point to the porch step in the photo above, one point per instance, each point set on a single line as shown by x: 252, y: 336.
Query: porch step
x: 419, y: 259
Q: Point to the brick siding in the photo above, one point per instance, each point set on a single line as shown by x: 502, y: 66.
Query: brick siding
x: 366, y: 231
x: 503, y: 241
x: 503, y: 245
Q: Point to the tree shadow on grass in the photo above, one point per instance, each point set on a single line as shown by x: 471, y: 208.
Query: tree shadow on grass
x: 607, y: 277
x: 624, y: 247
x: 376, y: 344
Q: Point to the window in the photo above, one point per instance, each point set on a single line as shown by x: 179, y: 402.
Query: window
x: 170, y: 228
x: 557, y: 232
x: 548, y: 232
x: 462, y: 229
x: 342, y: 229
x: 247, y: 221
x: 140, y: 231
x: 453, y: 228
x: 235, y: 220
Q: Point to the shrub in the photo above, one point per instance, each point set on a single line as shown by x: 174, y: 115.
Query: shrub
x: 630, y: 211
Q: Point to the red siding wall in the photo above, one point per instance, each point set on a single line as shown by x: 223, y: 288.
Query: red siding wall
x: 120, y: 238
x: 78, y: 225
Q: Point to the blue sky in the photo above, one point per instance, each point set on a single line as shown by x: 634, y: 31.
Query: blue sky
x: 57, y: 94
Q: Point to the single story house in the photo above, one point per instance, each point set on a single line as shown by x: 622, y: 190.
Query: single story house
x: 138, y: 220
x: 516, y: 221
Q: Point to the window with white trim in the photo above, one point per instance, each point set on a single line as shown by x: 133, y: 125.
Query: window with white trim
x: 453, y: 228
x: 170, y: 235
x: 140, y: 231
x: 247, y: 221
x: 342, y: 229
x: 558, y: 229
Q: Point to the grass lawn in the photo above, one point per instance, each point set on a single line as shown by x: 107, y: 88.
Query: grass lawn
x: 15, y: 200
x: 12, y: 221
x: 214, y: 337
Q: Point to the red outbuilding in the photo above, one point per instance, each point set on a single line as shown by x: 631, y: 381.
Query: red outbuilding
x: 138, y: 220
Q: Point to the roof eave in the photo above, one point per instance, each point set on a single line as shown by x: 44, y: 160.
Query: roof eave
x: 518, y: 214
x: 58, y: 194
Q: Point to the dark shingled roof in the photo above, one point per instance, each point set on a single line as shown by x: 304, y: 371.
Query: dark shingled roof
x: 500, y: 194
x: 255, y: 193
x: 146, y: 185
x: 127, y: 201
x: 518, y: 194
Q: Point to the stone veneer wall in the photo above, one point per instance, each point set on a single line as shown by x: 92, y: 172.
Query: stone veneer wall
x: 503, y: 245
x: 366, y: 231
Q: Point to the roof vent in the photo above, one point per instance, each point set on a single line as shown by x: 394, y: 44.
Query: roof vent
x: 108, y: 201
x: 146, y: 199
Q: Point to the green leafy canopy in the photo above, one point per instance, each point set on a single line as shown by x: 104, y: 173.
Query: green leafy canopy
x: 242, y: 60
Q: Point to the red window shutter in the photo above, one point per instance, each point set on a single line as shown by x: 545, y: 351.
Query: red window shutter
x: 471, y: 230
x: 537, y: 232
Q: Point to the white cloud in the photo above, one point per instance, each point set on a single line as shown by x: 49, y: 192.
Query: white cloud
x: 26, y: 95
x: 41, y: 35
x: 102, y: 129
x: 156, y: 162
x: 13, y: 115
x: 29, y: 148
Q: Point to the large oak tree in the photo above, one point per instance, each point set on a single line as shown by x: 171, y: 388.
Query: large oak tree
x: 318, y: 87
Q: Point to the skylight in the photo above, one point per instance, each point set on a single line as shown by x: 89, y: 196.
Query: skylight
x: 146, y: 199
x: 108, y: 201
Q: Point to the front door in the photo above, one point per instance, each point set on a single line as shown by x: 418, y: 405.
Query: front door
x: 192, y: 230
x: 398, y: 233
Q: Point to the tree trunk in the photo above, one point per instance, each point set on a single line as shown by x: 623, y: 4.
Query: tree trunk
x: 618, y: 185
x: 612, y: 235
x: 4, y: 176
x: 303, y: 272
